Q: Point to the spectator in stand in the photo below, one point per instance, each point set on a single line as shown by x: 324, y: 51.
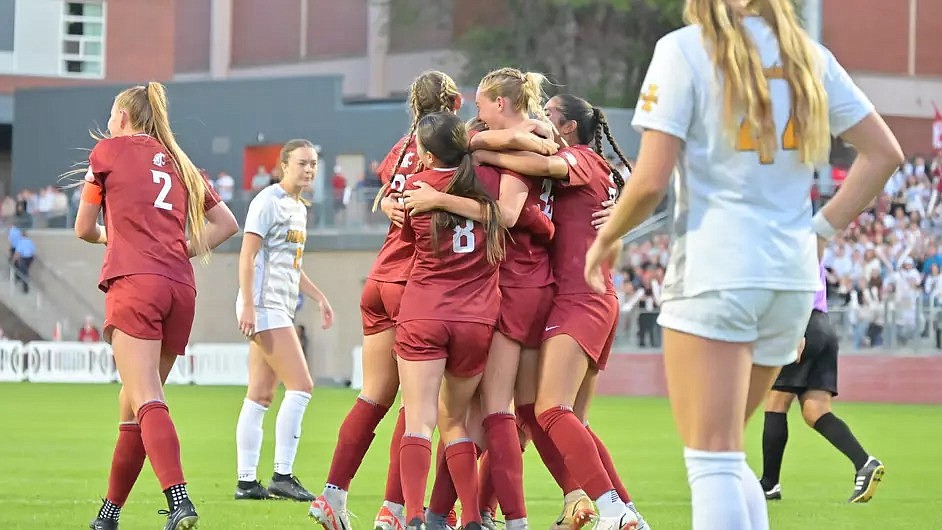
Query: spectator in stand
x: 88, y: 332
x: 225, y: 186
x: 338, y: 185
x: 23, y: 256
x: 261, y: 180
x: 13, y: 236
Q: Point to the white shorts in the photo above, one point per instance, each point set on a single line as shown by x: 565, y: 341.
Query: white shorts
x: 267, y: 318
x: 774, y: 321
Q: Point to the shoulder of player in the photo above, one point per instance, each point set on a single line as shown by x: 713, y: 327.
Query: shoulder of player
x: 434, y: 178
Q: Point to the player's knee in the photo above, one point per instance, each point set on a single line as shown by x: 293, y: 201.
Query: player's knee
x: 263, y: 398
x: 812, y: 412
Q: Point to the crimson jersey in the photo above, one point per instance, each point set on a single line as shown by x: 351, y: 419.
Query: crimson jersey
x: 590, y: 183
x: 145, y: 209
x: 395, y: 256
x: 454, y: 282
x: 527, y: 263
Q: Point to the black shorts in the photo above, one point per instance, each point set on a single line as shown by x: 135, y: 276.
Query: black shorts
x: 817, y: 369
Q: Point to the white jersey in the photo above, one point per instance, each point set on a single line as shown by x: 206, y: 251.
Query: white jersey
x: 281, y: 221
x: 739, y: 222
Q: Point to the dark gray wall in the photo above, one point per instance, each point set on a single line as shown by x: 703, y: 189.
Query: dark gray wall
x: 51, y: 125
x: 7, y: 10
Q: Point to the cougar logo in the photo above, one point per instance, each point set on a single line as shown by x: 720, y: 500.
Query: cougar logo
x: 160, y: 160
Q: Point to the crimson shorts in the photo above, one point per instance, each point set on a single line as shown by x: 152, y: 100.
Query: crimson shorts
x: 464, y: 344
x: 523, y: 313
x: 151, y: 307
x: 590, y: 319
x: 379, y: 305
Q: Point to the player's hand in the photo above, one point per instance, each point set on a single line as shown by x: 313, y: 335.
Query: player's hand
x: 393, y: 209
x: 598, y: 253
x: 422, y: 199
x: 327, y: 314
x: 247, y: 321
x: 601, y: 217
x: 537, y: 127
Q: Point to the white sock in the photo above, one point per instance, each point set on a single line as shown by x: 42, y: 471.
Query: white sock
x: 573, y: 496
x: 336, y: 497
x: 610, y: 504
x: 288, y: 430
x: 397, y: 509
x: 517, y: 524
x: 755, y: 499
x: 249, y: 436
x: 716, y: 493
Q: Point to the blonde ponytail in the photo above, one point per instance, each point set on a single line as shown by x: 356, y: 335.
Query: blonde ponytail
x: 745, y: 82
x: 195, y: 185
x: 523, y: 89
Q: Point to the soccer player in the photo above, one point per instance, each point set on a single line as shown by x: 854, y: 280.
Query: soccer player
x: 432, y: 91
x: 150, y: 193
x: 745, y: 103
x: 813, y: 379
x: 447, y: 315
x: 581, y: 325
x: 270, y: 277
x: 526, y: 284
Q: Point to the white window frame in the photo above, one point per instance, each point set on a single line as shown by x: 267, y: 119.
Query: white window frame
x: 82, y: 40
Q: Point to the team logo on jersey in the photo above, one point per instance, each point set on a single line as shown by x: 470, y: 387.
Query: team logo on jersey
x: 648, y: 99
x: 570, y: 158
x: 160, y: 160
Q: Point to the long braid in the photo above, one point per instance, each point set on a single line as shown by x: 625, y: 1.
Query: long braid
x: 414, y: 106
x: 603, y: 125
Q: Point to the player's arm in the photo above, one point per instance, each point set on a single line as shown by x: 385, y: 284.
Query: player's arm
x: 220, y: 226
x: 251, y: 244
x: 86, y: 220
x: 526, y: 163
x: 512, y: 140
x: 878, y: 155
x: 513, y: 195
x: 393, y: 209
x: 310, y: 290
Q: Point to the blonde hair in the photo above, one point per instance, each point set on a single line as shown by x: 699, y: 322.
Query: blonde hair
x: 523, y: 89
x: 745, y: 83
x: 432, y: 91
x: 147, y: 109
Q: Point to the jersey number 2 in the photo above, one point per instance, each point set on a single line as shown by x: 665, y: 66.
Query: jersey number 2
x: 746, y: 139
x: 161, y: 177
x: 463, y: 240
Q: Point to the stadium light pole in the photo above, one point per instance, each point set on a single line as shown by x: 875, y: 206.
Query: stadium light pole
x: 811, y: 13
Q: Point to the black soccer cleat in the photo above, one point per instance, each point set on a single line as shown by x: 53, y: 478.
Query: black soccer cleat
x: 867, y: 480
x: 253, y: 491
x: 290, y: 489
x: 183, y: 517
x: 101, y: 523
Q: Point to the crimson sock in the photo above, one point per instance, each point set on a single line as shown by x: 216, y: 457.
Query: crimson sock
x: 415, y: 460
x: 161, y: 443
x: 550, y: 455
x: 126, y: 463
x: 354, y: 439
x: 444, y: 495
x: 582, y: 459
x: 503, y: 446
x: 461, y: 458
x: 486, y: 489
x: 609, y: 464
x: 393, y: 473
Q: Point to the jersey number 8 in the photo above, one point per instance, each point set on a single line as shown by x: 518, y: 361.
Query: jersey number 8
x: 463, y: 240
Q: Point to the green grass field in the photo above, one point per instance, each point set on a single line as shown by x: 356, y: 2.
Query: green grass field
x: 57, y: 441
